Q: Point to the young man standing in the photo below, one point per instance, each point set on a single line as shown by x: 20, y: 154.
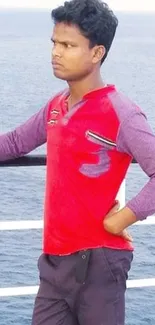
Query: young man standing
x: 92, y: 132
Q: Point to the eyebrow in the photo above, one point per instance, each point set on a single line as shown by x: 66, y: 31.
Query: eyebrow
x: 64, y: 42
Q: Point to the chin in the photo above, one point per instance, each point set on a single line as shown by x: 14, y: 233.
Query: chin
x: 68, y: 78
x: 59, y: 75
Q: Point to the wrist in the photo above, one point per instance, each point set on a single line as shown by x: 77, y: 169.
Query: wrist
x: 119, y: 221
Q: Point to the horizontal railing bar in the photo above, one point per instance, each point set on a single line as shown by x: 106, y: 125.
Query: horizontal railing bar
x: 29, y: 160
x: 32, y: 290
x: 20, y: 225
x: 38, y: 224
x: 148, y: 221
x: 18, y: 291
x: 141, y: 283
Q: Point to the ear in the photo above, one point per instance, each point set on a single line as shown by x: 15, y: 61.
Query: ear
x: 98, y: 53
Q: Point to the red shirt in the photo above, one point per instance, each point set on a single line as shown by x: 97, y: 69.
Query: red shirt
x: 84, y: 173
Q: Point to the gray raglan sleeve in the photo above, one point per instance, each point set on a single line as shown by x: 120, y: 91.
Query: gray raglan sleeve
x: 24, y: 138
x: 136, y: 138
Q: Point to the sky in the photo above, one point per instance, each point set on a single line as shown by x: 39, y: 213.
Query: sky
x: 128, y: 5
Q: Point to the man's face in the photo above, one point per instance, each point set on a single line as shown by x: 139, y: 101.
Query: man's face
x: 72, y: 57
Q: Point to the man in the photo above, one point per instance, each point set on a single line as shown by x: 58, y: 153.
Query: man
x: 92, y: 132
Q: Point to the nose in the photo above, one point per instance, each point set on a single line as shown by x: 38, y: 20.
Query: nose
x: 56, y: 51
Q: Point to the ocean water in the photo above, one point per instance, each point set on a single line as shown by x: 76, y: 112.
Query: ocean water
x: 26, y: 84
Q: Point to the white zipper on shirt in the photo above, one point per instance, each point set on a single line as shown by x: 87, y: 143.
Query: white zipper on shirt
x: 101, y: 139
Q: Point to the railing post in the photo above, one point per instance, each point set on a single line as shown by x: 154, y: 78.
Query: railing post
x: 121, y: 195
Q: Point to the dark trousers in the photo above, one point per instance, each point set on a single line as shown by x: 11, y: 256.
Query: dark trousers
x: 85, y: 288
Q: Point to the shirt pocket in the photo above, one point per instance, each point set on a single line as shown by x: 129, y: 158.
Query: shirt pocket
x: 100, y: 140
x: 99, y: 150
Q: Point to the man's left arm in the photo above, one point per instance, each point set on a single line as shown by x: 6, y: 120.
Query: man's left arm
x: 136, y: 138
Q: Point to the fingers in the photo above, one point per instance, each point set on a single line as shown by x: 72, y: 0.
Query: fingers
x: 126, y: 236
x: 129, y: 238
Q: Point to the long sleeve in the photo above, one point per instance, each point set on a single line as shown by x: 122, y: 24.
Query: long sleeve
x: 24, y: 138
x: 137, y: 139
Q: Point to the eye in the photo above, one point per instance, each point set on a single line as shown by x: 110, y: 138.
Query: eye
x: 53, y: 42
x: 68, y: 46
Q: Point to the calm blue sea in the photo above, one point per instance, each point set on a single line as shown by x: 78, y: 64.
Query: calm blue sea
x: 26, y: 83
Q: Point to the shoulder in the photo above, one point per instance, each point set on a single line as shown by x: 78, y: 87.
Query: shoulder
x: 123, y: 106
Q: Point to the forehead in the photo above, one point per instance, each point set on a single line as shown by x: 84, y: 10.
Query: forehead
x: 64, y: 32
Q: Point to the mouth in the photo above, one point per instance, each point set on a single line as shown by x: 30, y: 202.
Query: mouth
x: 56, y: 64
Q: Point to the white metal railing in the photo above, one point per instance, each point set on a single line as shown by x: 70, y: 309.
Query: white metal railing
x: 38, y: 224
x: 32, y: 290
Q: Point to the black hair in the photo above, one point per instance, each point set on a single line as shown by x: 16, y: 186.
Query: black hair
x: 94, y: 18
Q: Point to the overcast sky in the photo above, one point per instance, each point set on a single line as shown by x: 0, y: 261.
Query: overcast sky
x: 140, y: 5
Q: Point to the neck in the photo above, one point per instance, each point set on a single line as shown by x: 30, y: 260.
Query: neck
x: 80, y: 88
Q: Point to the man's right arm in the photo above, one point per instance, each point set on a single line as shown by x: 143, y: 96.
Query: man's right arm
x: 24, y: 138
